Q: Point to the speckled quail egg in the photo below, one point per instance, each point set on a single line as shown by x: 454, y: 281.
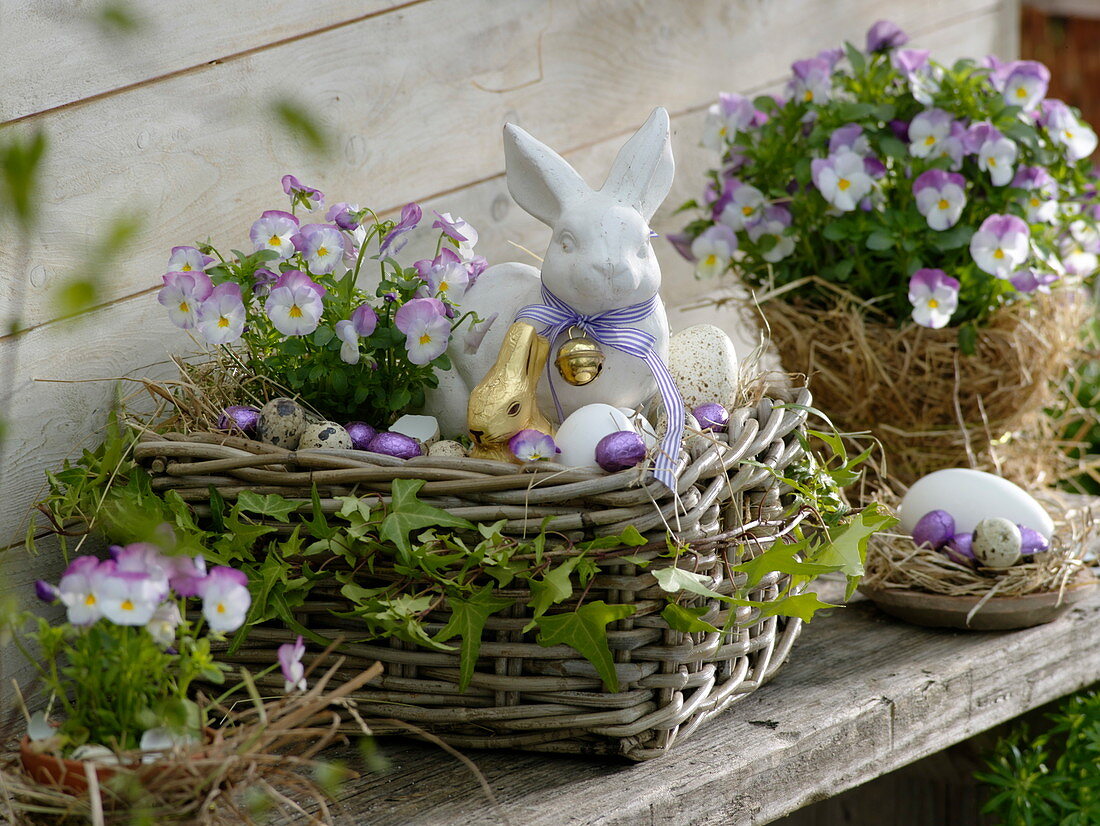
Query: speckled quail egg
x: 324, y: 434
x: 446, y: 447
x: 281, y: 423
x: 997, y: 542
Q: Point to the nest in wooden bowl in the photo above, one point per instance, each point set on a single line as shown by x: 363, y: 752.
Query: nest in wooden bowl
x: 894, y: 561
x: 930, y: 405
x: 261, y: 759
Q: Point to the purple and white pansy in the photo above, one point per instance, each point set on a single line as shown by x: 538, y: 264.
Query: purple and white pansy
x: 183, y: 294
x: 1000, y: 245
x: 940, y: 197
x: 426, y: 327
x: 1025, y: 83
x: 446, y: 275
x: 295, y: 304
x: 275, y: 230
x: 533, y: 446
x: 812, y: 81
x: 1041, y: 201
x: 396, y: 239
x: 744, y: 204
x: 726, y: 119
x: 222, y: 315
x: 842, y: 179
x: 321, y: 247
x: 934, y: 296
x: 996, y: 153
x: 290, y: 663
x: 774, y: 224
x: 225, y: 598
x: 1076, y: 137
x: 302, y: 195
x: 927, y: 131
x: 188, y: 259
x: 713, y: 250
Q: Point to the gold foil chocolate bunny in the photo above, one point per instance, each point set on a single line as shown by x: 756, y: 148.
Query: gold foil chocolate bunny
x: 503, y: 403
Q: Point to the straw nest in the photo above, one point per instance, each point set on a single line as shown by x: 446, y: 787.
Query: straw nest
x: 931, y: 406
x: 262, y: 758
x: 895, y: 562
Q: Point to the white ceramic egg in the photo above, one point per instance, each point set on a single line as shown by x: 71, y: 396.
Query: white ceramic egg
x: 971, y: 496
x: 425, y: 429
x: 582, y: 430
x: 997, y: 542
x: 703, y: 362
x: 324, y: 435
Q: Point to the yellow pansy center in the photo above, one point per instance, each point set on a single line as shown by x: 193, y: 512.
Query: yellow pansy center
x: 220, y: 608
x: 90, y: 599
x: 933, y: 304
x: 710, y: 260
x: 843, y: 184
x: 1068, y: 134
x: 1034, y: 201
x: 223, y: 321
x: 322, y: 251
x: 943, y: 203
x: 425, y: 338
x: 992, y: 161
x: 808, y: 96
x: 126, y: 605
x: 185, y: 307
x: 998, y: 253
x: 931, y: 139
x: 746, y: 211
x: 295, y: 311
x: 444, y: 286
x: 1021, y: 92
x: 274, y: 241
x: 185, y: 268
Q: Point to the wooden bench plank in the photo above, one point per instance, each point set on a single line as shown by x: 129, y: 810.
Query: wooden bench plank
x: 862, y: 695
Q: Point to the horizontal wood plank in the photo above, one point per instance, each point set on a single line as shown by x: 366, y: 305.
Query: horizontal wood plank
x: 89, y: 56
x: 198, y: 155
x: 862, y: 695
x: 49, y: 420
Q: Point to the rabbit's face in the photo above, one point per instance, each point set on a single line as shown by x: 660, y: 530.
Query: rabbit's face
x: 600, y: 257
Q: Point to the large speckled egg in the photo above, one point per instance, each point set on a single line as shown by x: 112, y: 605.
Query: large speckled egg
x: 324, y: 434
x: 971, y: 496
x: 620, y: 450
x: 361, y: 433
x: 281, y: 423
x: 997, y: 543
x: 703, y: 363
x: 395, y: 444
x: 447, y: 447
x: 239, y: 418
x: 582, y: 430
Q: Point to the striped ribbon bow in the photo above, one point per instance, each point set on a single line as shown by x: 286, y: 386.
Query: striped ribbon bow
x: 610, y: 328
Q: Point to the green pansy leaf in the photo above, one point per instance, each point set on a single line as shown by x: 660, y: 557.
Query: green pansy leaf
x: 468, y: 618
x: 585, y: 631
x: 880, y: 240
x: 680, y: 618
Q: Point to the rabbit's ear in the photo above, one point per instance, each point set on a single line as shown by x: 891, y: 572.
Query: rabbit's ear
x: 540, y: 180
x: 642, y: 173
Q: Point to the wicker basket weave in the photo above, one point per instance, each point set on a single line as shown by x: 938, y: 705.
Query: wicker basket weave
x: 523, y: 695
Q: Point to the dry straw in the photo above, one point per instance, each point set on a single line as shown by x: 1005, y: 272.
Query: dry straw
x: 264, y: 757
x: 931, y: 406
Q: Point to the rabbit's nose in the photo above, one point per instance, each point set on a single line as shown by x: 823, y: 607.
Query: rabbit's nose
x: 607, y: 268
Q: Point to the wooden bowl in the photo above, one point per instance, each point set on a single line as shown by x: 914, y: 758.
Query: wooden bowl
x: 998, y: 613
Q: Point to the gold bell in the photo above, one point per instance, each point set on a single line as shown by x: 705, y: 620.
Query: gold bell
x: 579, y: 360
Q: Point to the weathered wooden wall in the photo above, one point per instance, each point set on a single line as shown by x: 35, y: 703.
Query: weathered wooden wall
x: 174, y: 123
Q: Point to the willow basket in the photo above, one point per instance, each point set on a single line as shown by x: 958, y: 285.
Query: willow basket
x: 730, y: 506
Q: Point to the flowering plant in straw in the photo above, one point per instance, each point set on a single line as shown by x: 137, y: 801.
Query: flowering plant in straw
x: 936, y: 193
x: 298, y: 305
x: 120, y: 666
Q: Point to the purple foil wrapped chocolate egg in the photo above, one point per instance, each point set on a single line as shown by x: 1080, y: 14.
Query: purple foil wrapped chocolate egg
x: 395, y: 444
x: 960, y: 549
x: 1031, y: 541
x: 620, y: 450
x: 934, y: 529
x: 240, y: 418
x: 712, y: 416
x: 361, y: 433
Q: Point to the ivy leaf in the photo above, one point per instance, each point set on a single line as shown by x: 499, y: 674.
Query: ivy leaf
x: 780, y: 557
x: 407, y: 514
x: 847, y: 546
x: 585, y: 631
x: 803, y: 606
x: 674, y: 580
x: 554, y: 587
x: 680, y: 618
x: 467, y: 620
x: 271, y: 505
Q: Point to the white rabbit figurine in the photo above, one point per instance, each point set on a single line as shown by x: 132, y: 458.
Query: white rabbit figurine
x: 599, y: 259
